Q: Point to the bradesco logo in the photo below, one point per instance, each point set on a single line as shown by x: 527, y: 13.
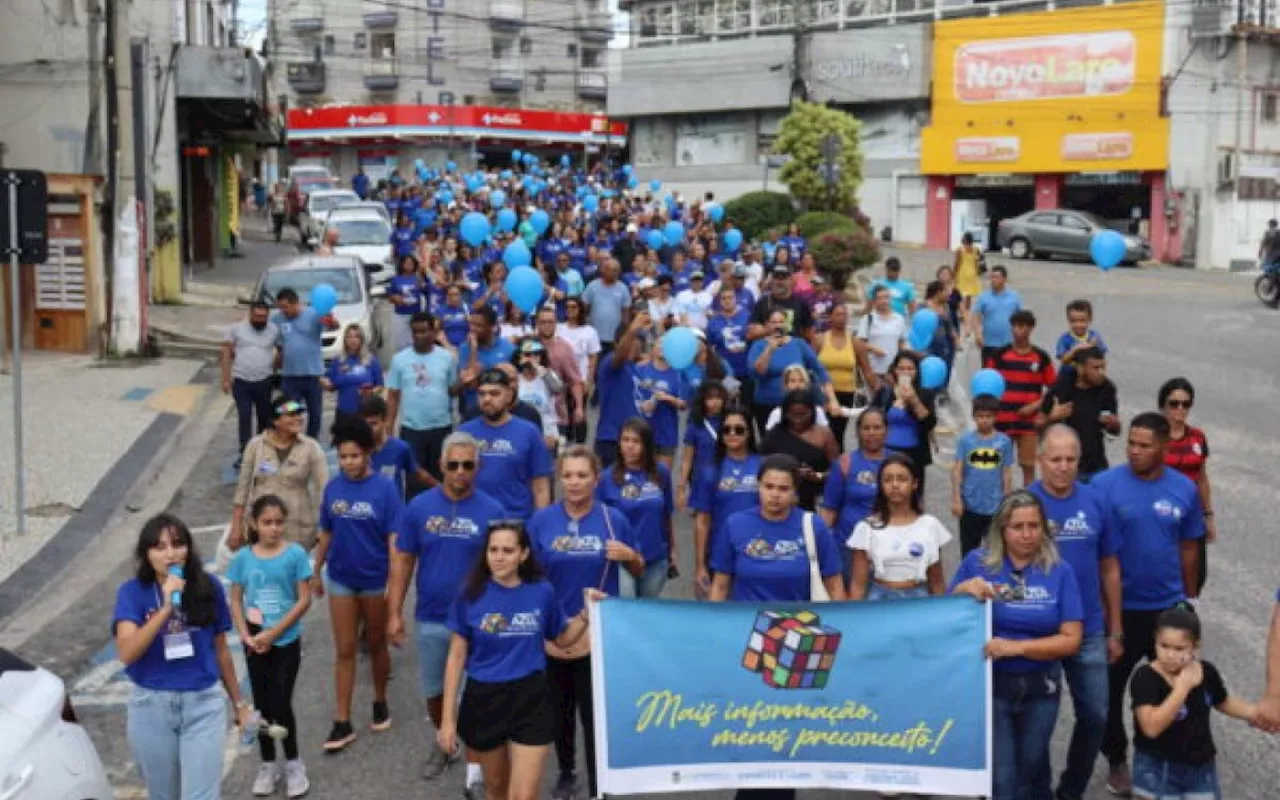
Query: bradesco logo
x: 1046, y: 67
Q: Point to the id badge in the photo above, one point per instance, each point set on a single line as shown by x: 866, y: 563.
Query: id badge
x: 178, y: 646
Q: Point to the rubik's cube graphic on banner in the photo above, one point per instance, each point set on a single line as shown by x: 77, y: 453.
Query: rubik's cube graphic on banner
x: 791, y: 649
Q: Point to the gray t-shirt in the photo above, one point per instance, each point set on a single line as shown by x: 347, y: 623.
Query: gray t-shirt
x: 255, y: 350
x: 606, y: 304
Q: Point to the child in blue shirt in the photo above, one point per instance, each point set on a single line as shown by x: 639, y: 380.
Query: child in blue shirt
x: 1079, y: 335
x: 982, y: 473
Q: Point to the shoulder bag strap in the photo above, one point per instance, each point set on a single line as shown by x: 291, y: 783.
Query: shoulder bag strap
x: 817, y: 589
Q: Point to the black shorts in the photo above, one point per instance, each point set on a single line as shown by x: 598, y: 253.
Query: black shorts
x: 493, y: 714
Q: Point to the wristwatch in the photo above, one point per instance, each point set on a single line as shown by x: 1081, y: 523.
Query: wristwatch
x: 1116, y: 637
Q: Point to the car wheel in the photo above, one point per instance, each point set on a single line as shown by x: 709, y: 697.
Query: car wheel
x: 1020, y: 248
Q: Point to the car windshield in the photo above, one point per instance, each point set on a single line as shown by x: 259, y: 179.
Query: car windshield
x: 309, y: 185
x: 361, y: 231
x: 1092, y: 219
x: 328, y: 202
x: 344, y: 281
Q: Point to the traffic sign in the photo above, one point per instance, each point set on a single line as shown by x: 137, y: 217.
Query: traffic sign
x: 28, y: 191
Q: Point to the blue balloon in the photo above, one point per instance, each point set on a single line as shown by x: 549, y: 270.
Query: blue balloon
x: 732, y: 240
x: 654, y: 240
x: 530, y: 159
x: 1107, y: 248
x: 933, y: 373
x: 564, y: 161
x: 633, y: 182
x: 505, y: 174
x: 498, y: 199
x: 988, y: 382
x: 450, y: 167
x: 540, y: 220
x: 609, y: 193
x: 444, y: 197
x: 655, y: 185
x: 506, y: 220
x: 475, y: 228
x: 924, y: 323
x: 590, y: 203
x: 679, y: 347
x: 716, y: 212
x: 580, y: 192
x: 323, y: 298
x: 673, y: 233
x: 626, y: 170
x: 524, y: 284
x: 418, y: 163
x: 515, y: 155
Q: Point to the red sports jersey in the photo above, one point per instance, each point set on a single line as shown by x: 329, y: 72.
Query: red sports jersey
x: 1026, y: 376
x: 1188, y: 454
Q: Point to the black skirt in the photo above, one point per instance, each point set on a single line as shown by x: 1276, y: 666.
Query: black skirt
x: 493, y: 714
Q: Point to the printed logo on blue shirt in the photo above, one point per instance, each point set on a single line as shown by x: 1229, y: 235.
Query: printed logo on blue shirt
x: 1166, y: 509
x: 1076, y: 527
x: 357, y: 510
x: 523, y: 623
x: 735, y: 483
x: 496, y: 447
x: 784, y: 550
x: 574, y: 544
x: 865, y: 478
x: 456, y: 528
x: 633, y: 491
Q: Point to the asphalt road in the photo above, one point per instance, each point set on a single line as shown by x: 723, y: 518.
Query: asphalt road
x: 1159, y: 323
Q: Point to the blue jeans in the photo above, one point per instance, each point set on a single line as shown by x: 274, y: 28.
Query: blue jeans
x: 877, y: 592
x: 649, y: 584
x: 1024, y: 713
x: 1086, y: 675
x: 177, y: 739
x: 306, y: 389
x: 1157, y: 779
x: 433, y: 640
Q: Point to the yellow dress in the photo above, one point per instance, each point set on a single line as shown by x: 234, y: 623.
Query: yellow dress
x: 967, y: 275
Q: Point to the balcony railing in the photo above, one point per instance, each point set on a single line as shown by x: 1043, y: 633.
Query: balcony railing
x: 381, y: 74
x: 306, y: 77
x: 595, y: 26
x: 506, y: 75
x: 593, y: 84
x: 506, y: 14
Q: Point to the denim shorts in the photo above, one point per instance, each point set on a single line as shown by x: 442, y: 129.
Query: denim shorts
x: 338, y: 589
x: 1157, y: 779
x: 876, y: 591
x: 433, y: 651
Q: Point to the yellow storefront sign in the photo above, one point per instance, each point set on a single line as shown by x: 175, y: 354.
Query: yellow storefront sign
x: 1076, y: 90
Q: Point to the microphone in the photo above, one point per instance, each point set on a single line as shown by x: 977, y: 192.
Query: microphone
x: 176, y: 597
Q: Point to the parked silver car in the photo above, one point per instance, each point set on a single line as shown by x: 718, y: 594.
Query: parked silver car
x: 1060, y: 232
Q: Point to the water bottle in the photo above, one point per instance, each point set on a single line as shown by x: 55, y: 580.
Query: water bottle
x: 249, y: 736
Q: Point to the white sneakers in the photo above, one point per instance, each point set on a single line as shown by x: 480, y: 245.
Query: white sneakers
x: 269, y: 775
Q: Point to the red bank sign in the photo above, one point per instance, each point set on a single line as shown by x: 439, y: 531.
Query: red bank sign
x: 1046, y: 67
x: 338, y: 122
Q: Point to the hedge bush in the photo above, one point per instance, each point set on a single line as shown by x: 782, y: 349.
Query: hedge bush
x: 756, y: 212
x: 841, y: 252
x: 816, y: 223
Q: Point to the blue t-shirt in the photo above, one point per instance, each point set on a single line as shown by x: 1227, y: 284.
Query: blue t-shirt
x: 1078, y: 524
x: 996, y: 309
x: 728, y: 337
x: 902, y: 293
x: 395, y: 460
x: 852, y: 493
x: 664, y: 418
x: 904, y: 429
x: 271, y: 585
x: 423, y: 380
x: 410, y: 288
x: 1151, y: 518
x: 136, y: 602
x: 573, y: 551
x: 616, y: 386
x: 647, y: 505
x: 402, y: 241
x: 1050, y: 599
x: 768, y: 560
x: 506, y: 630
x: 983, y: 461
x: 348, y: 374
x: 511, y: 456
x: 300, y: 343
x: 500, y: 352
x: 702, y: 437
x: 360, y: 516
x: 1068, y: 340
x: 769, y: 390
x: 456, y: 324
x: 724, y: 491
x: 447, y: 537
x: 795, y: 246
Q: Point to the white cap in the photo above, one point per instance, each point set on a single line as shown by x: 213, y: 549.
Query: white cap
x: 645, y: 283
x: 631, y: 227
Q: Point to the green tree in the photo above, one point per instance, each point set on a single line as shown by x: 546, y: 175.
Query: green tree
x: 756, y: 212
x: 800, y: 136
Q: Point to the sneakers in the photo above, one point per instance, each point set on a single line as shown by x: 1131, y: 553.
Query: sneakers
x: 475, y: 791
x: 566, y: 787
x: 381, y: 716
x: 295, y: 779
x: 1118, y: 782
x: 268, y: 776
x: 437, y: 763
x: 341, y: 736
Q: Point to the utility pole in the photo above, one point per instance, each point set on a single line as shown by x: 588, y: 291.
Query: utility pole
x: 800, y: 58
x: 111, y: 184
x: 1237, y: 152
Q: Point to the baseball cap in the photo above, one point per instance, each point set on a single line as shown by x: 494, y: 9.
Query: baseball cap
x: 494, y: 377
x: 697, y: 274
x: 781, y: 269
x: 740, y: 271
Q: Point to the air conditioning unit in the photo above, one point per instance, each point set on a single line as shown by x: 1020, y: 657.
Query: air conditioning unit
x: 1226, y: 169
x: 1210, y: 20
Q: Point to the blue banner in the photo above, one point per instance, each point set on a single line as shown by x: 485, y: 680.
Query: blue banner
x: 890, y: 696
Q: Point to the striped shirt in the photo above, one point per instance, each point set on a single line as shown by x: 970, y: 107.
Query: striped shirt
x: 1188, y: 454
x: 1026, y: 377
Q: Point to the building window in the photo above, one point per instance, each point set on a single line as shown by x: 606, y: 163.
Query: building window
x: 382, y: 45
x: 526, y: 46
x: 867, y: 9
x: 360, y: 41
x: 775, y: 13
x: 571, y: 51
x: 592, y: 58
x: 329, y: 45
x: 733, y: 16
x: 1269, y: 102
x: 503, y: 48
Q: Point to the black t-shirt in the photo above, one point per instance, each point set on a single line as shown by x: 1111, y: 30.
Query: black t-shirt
x: 1087, y: 406
x: 1189, y: 739
x: 799, y: 315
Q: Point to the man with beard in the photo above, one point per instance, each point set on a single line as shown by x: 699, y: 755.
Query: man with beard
x: 516, y: 467
x: 421, y: 384
x: 248, y: 359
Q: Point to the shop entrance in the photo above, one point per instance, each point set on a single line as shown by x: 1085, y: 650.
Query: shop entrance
x: 993, y: 198
x: 1121, y: 199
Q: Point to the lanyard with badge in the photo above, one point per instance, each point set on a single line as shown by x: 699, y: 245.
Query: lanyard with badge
x: 177, y: 639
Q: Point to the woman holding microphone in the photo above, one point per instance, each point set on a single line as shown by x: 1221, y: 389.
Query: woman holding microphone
x: 171, y: 621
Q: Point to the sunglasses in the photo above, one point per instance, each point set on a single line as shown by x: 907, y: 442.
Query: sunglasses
x: 454, y: 466
x: 734, y: 430
x: 1178, y: 403
x: 289, y: 409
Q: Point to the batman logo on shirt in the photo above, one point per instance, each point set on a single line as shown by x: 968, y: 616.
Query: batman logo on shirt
x: 984, y: 458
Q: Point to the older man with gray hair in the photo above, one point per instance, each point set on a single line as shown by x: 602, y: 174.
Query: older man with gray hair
x: 1078, y: 520
x: 441, y: 533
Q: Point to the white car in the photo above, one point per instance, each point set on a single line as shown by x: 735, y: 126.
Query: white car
x: 316, y: 208
x: 44, y: 752
x: 376, y: 206
x: 365, y: 234
x: 346, y: 275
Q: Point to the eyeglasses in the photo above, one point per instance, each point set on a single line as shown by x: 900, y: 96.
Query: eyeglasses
x: 454, y: 466
x: 1178, y: 403
x: 734, y: 430
x: 290, y: 408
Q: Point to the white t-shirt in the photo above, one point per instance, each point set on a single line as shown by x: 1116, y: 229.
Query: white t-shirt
x: 775, y: 416
x: 535, y: 393
x: 514, y: 333
x: 901, y: 552
x: 586, y: 343
x: 693, y: 306
x: 659, y: 309
x: 885, y: 333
